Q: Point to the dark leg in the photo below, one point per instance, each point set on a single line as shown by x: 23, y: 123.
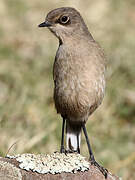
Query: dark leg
x: 78, y: 148
x: 62, y: 150
x: 92, y: 159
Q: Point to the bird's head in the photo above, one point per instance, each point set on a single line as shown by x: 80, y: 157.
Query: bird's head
x: 65, y: 22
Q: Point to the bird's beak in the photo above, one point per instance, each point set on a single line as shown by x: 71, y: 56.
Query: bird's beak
x: 45, y: 24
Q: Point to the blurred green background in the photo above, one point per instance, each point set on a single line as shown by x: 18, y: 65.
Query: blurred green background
x: 28, y: 119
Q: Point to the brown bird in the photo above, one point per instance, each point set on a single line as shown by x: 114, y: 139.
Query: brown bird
x: 78, y: 73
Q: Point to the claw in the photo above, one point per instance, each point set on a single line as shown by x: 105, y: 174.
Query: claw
x: 70, y: 151
x: 103, y: 170
x: 62, y: 150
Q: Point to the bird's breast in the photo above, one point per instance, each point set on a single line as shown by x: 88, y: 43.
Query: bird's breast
x: 79, y: 86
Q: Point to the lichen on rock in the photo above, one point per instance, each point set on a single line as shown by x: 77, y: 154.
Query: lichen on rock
x: 54, y: 163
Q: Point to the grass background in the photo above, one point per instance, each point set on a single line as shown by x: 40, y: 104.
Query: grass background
x: 27, y: 114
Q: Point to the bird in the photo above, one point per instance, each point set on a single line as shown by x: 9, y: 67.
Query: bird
x: 79, y: 76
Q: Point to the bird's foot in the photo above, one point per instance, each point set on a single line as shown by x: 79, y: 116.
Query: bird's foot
x: 62, y: 149
x: 103, y: 170
x: 70, y: 151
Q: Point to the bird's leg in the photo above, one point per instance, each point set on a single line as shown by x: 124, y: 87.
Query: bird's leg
x: 78, y: 148
x: 92, y: 158
x: 62, y: 149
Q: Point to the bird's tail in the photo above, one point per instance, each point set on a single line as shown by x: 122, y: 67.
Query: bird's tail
x: 73, y: 137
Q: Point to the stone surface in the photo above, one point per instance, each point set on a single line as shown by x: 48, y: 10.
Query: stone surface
x: 91, y: 173
x: 9, y: 171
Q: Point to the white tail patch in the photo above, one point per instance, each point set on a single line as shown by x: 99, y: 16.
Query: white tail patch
x: 73, y: 137
x: 72, y: 141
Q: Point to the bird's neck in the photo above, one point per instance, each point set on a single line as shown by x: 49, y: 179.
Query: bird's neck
x: 75, y: 40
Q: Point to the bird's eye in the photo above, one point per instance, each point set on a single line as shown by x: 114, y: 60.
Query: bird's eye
x: 64, y: 19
